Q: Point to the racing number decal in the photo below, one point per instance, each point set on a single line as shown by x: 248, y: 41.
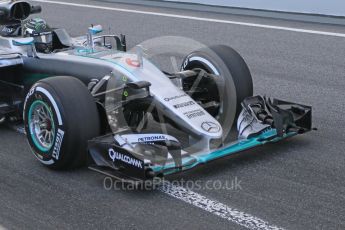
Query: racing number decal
x: 133, y: 62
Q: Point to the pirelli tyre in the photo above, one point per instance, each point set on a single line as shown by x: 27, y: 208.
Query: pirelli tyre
x: 60, y: 116
x: 222, y: 95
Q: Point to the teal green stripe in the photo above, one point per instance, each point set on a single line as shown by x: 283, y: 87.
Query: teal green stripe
x: 231, y: 149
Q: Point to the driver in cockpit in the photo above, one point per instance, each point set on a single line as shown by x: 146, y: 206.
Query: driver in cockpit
x: 36, y: 28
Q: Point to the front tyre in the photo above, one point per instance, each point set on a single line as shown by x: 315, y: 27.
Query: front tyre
x: 222, y: 95
x: 60, y: 116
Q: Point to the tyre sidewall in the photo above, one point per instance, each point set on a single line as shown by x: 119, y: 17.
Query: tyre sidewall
x: 53, y: 157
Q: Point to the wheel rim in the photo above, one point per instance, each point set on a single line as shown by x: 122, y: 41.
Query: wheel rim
x: 41, y: 125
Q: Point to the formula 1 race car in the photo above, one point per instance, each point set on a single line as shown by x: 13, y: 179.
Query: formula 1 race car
x: 86, y: 100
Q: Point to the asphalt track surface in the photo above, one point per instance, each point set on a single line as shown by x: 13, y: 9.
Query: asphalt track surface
x: 295, y: 184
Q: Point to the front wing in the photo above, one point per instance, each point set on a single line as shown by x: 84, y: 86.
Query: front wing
x: 261, y: 121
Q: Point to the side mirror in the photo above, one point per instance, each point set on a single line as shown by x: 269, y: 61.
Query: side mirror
x: 95, y: 29
x: 29, y: 42
x: 23, y: 41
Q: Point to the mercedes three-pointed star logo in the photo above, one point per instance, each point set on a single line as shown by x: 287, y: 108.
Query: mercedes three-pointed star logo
x: 210, y: 127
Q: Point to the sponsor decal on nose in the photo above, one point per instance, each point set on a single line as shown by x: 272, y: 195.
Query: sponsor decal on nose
x: 184, y: 104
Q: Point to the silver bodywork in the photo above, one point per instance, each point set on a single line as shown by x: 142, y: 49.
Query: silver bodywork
x: 87, y: 64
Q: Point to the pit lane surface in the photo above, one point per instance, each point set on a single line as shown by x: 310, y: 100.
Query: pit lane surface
x: 295, y: 184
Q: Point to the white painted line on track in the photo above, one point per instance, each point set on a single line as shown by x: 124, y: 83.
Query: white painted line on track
x: 333, y: 34
x: 216, y: 208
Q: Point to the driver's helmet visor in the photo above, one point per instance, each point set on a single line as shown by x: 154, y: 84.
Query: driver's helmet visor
x: 45, y: 38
